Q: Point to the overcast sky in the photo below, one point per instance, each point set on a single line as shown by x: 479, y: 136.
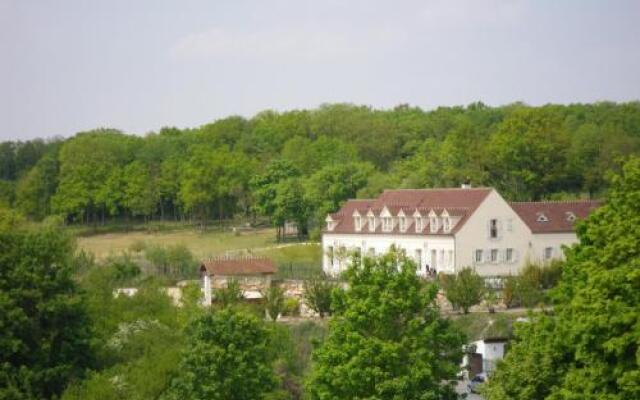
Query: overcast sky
x: 68, y: 66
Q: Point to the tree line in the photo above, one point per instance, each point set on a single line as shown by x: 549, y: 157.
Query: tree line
x: 298, y: 165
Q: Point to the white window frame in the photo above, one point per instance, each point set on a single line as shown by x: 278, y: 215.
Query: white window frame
x: 372, y: 224
x: 358, y: 223
x: 433, y: 224
x: 496, y: 259
x: 402, y: 223
x: 387, y: 224
x: 478, y: 252
x: 509, y: 255
x: 548, y: 253
x: 493, y: 228
x: 418, y: 224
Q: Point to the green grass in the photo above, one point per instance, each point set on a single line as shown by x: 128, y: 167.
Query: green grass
x: 486, y: 325
x: 297, y: 260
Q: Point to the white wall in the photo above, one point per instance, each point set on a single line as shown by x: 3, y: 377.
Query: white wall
x: 540, y: 241
x: 475, y: 235
x: 444, y: 245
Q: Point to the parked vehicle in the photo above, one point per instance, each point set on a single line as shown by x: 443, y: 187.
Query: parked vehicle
x: 474, y: 384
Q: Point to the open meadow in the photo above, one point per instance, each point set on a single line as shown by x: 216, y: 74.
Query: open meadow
x: 212, y: 243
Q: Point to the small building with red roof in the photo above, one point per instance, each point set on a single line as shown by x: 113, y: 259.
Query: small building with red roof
x: 252, y: 273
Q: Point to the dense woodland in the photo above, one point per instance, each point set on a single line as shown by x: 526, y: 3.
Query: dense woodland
x: 298, y: 165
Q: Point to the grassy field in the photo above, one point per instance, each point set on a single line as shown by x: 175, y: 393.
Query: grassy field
x: 484, y: 325
x: 204, y: 245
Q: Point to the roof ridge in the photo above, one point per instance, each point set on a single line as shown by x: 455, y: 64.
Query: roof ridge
x: 556, y: 201
x: 441, y: 188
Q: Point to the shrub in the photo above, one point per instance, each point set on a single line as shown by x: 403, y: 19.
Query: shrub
x: 317, y: 294
x: 464, y: 289
x: 137, y: 246
x: 229, y: 295
x: 274, y: 301
x: 291, y: 307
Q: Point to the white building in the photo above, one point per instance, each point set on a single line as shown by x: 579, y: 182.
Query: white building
x: 445, y: 230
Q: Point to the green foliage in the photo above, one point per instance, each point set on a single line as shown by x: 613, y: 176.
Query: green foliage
x: 274, y: 301
x: 175, y: 261
x: 45, y: 339
x: 291, y: 307
x: 588, y: 348
x: 230, y: 295
x: 530, y: 286
x: 239, y: 166
x: 387, y: 338
x: 465, y: 289
x: 317, y: 294
x: 226, y: 357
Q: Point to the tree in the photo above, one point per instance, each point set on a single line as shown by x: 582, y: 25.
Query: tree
x: 35, y: 189
x: 386, y: 339
x: 226, y: 357
x: 229, y: 295
x: 46, y: 335
x: 140, y: 193
x: 588, y: 348
x: 274, y: 301
x: 317, y: 294
x: 464, y: 289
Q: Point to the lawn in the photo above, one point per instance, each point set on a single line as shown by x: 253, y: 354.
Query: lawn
x: 306, y: 257
x: 484, y: 325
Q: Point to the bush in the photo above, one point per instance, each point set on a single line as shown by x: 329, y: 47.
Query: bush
x: 291, y: 307
x: 138, y: 246
x: 174, y: 261
x: 464, y: 289
x: 274, y: 301
x: 317, y: 294
x: 230, y: 295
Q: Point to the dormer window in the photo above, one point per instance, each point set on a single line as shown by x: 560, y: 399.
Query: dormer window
x: 446, y: 224
x: 419, y: 224
x: 542, y: 218
x: 433, y: 222
x: 570, y: 216
x: 330, y: 223
x: 402, y: 224
x: 446, y: 221
x: 387, y: 224
x: 372, y: 223
x: 357, y: 220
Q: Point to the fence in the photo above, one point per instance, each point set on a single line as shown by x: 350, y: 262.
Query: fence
x: 290, y: 270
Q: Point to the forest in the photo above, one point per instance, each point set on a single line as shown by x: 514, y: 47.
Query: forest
x: 298, y: 165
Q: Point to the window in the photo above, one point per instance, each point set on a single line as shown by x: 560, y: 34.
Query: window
x: 418, y: 224
x: 371, y: 252
x: 542, y: 217
x: 330, y: 255
x: 402, y: 223
x: 494, y: 255
x: 571, y: 216
x: 386, y: 224
x: 358, y: 222
x: 479, y: 256
x: 510, y: 225
x: 372, y: 224
x: 434, y: 259
x: 548, y: 253
x: 433, y: 224
x: 509, y: 255
x: 441, y: 260
x: 446, y: 224
x: 450, y: 258
x: 493, y: 229
x: 418, y: 257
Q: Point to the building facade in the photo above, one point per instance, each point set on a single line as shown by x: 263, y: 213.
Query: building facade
x: 444, y: 230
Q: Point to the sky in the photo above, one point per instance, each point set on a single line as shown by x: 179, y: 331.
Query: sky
x: 138, y: 65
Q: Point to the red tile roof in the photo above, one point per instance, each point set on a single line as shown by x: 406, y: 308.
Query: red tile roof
x: 556, y: 213
x: 457, y: 201
x: 238, y: 266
